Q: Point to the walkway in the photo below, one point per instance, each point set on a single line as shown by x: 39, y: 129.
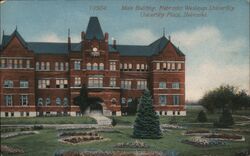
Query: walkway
x: 101, y: 119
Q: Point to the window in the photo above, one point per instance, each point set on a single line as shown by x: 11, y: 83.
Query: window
x: 169, y: 66
x: 27, y: 63
x: 179, y: 66
x: 65, y: 101
x: 141, y: 84
x: 130, y: 67
x: 8, y: 100
x: 95, y: 81
x: 162, y: 85
x: 24, y: 100
x: 142, y: 67
x: 8, y: 84
x: 162, y: 100
x: 24, y: 84
x: 37, y: 65
x: 176, y: 99
x: 43, y: 83
x: 146, y: 67
x: 126, y: 84
x: 175, y: 85
x: 137, y: 67
x: 77, y: 65
x: 123, y: 101
x: 63, y: 83
x: 47, y: 66
x: 173, y: 66
x: 58, y: 101
x: 113, y: 101
x: 77, y: 82
x: 15, y: 64
x: 48, y: 101
x: 120, y: 66
x: 2, y: 63
x: 6, y: 114
x: 101, y: 66
x: 158, y: 66
x: 112, y: 82
x: 88, y: 66
x: 20, y: 63
x: 95, y: 66
x: 61, y: 66
x: 56, y: 66
x: 42, y: 66
x: 9, y: 63
x: 67, y: 66
x: 164, y: 66
x: 130, y: 100
x: 112, y: 66
x: 125, y: 66
x: 40, y: 101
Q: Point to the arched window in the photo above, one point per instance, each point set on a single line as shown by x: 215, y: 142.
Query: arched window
x: 88, y: 66
x: 113, y: 101
x: 125, y: 66
x: 58, y: 101
x: 142, y: 67
x: 65, y: 101
x: 40, y: 101
x: 47, y: 66
x: 95, y: 66
x: 48, y: 101
x: 123, y: 101
x: 42, y: 66
x: 101, y: 66
x: 37, y: 65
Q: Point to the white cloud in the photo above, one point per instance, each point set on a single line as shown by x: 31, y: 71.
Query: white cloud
x: 137, y: 37
x: 52, y: 37
x: 213, y: 60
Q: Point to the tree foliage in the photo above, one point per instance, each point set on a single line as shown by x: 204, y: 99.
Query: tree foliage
x: 202, y: 117
x: 225, y: 120
x: 225, y: 97
x: 147, y: 124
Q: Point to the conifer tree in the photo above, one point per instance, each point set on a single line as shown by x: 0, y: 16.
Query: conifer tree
x: 202, y: 116
x: 147, y: 125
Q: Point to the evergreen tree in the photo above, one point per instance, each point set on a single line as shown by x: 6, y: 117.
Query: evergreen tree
x: 82, y: 99
x: 202, y: 116
x: 226, y: 120
x: 147, y: 125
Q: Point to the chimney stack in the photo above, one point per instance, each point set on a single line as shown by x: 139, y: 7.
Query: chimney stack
x: 106, y: 37
x: 114, y: 44
x: 83, y: 35
x: 69, y: 41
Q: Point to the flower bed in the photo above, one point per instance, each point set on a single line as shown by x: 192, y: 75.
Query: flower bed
x: 110, y: 153
x: 10, y: 150
x: 136, y: 144
x: 14, y: 134
x: 223, y: 136
x: 202, y: 142
x: 197, y: 132
x: 80, y: 137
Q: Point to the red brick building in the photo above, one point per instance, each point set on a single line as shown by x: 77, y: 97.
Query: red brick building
x: 40, y: 78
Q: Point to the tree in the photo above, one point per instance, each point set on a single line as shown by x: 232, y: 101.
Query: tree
x: 220, y: 99
x: 147, y: 125
x: 225, y: 120
x: 202, y: 116
x: 113, y: 122
x: 82, y: 99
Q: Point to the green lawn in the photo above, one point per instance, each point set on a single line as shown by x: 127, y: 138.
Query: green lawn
x: 46, y: 143
x: 48, y: 120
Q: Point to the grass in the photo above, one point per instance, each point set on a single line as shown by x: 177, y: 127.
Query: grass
x: 171, y: 141
x: 48, y: 120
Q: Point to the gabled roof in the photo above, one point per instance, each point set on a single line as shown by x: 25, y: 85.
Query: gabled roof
x: 48, y: 48
x: 7, y: 38
x: 94, y: 29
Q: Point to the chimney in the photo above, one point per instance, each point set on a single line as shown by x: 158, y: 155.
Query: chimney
x: 106, y: 37
x: 114, y: 44
x: 83, y: 35
x: 169, y: 38
x: 69, y: 41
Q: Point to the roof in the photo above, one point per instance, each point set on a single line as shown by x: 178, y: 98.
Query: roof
x: 7, y: 38
x: 45, y: 47
x: 94, y: 29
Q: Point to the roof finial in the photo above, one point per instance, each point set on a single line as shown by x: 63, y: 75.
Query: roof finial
x: 16, y: 27
x: 163, y: 31
x: 3, y: 32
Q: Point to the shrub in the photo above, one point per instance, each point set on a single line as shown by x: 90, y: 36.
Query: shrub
x: 226, y: 120
x: 173, y: 120
x: 202, y: 117
x: 38, y: 127
x: 113, y: 123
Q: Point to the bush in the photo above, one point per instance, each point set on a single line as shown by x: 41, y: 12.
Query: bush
x: 38, y: 127
x: 202, y: 117
x: 173, y: 120
x: 113, y: 123
x: 226, y: 120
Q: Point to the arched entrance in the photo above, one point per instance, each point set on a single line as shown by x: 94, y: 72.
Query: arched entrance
x: 95, y: 105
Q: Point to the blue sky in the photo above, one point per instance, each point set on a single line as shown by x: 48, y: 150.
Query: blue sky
x: 216, y: 46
